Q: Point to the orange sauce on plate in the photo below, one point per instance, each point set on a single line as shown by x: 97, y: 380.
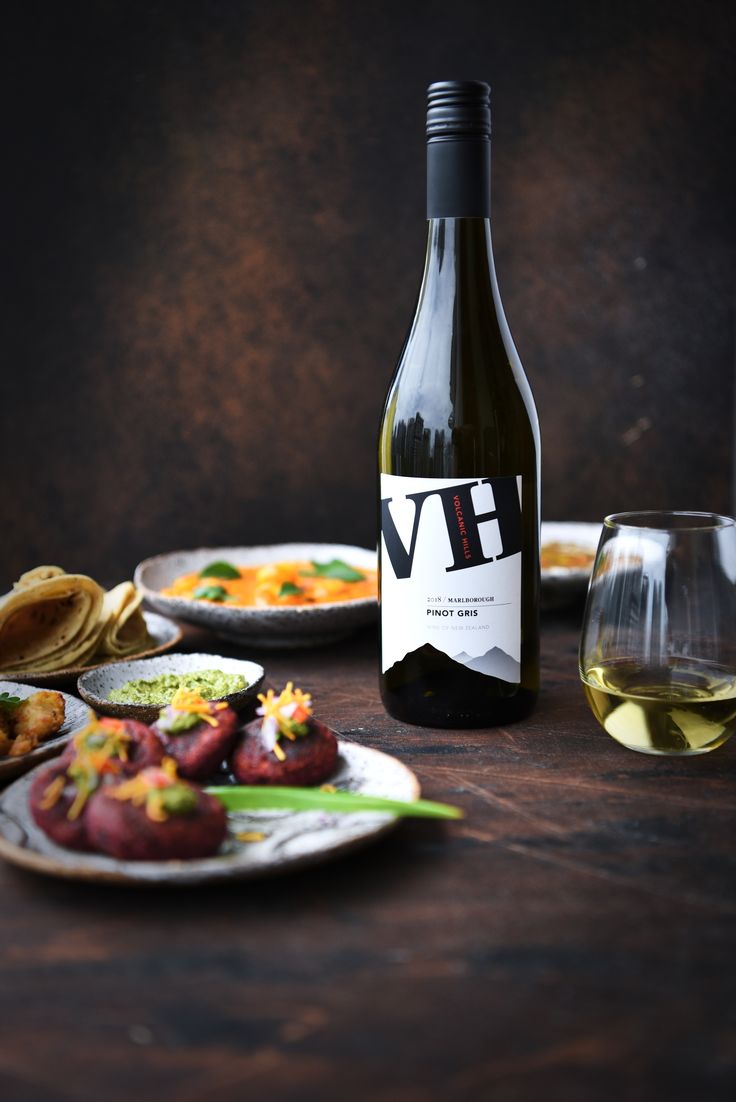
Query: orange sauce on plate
x: 567, y: 555
x: 274, y: 584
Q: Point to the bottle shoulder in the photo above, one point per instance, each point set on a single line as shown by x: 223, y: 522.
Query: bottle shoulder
x: 459, y: 401
x: 471, y: 390
x: 475, y: 361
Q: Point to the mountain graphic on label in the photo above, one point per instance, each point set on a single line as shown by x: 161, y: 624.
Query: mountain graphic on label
x: 494, y: 663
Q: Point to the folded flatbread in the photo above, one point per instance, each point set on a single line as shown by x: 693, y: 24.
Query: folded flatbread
x: 124, y: 627
x: 49, y: 622
x: 38, y: 574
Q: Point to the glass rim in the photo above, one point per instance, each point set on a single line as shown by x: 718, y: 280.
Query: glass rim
x: 667, y: 519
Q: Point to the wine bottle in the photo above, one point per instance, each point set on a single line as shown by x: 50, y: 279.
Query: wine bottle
x: 459, y: 462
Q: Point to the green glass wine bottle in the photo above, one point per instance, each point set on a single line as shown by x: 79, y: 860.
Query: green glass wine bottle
x: 459, y: 462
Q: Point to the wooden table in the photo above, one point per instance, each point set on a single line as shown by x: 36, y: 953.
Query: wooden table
x: 572, y: 939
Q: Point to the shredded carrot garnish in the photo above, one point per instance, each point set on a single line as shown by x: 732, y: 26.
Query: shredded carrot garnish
x: 52, y: 794
x: 289, y: 698
x: 145, y: 788
x: 136, y: 790
x: 112, y: 724
x: 169, y: 767
x: 155, y: 809
x: 89, y: 763
x: 284, y: 716
x: 187, y: 700
x: 113, y: 731
x: 78, y: 805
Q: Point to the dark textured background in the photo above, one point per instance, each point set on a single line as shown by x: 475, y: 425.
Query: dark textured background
x: 215, y: 234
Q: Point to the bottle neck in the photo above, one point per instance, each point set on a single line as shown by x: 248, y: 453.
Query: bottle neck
x: 459, y: 260
x: 459, y: 178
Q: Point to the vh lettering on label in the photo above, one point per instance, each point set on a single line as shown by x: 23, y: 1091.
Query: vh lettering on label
x: 463, y: 524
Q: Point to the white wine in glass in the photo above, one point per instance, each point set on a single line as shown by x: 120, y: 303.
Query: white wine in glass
x: 658, y: 648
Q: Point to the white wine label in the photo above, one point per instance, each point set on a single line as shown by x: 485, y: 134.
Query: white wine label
x: 451, y: 571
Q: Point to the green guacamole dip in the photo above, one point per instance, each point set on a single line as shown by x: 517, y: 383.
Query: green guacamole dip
x: 210, y: 684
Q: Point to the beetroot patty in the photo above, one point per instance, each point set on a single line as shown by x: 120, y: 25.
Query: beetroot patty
x: 310, y: 758
x: 143, y: 748
x: 199, y: 750
x: 53, y: 819
x: 123, y: 829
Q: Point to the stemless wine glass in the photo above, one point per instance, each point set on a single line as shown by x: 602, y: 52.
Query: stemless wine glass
x: 658, y: 648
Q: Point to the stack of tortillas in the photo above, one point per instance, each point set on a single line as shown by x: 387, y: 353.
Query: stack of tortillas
x: 52, y: 621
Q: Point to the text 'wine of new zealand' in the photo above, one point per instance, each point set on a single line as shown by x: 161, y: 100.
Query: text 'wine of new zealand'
x: 459, y: 462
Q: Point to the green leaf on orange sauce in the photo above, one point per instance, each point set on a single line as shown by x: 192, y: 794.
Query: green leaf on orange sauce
x: 288, y: 589
x: 220, y: 569
x: 212, y: 593
x: 336, y: 568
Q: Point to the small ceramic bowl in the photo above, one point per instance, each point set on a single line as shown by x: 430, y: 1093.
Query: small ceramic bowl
x: 96, y: 685
x: 290, y: 626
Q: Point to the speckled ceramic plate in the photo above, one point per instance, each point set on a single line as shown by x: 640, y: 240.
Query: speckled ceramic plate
x: 96, y: 685
x: 291, y: 840
x: 292, y: 626
x: 76, y: 716
x: 561, y: 584
x: 164, y: 634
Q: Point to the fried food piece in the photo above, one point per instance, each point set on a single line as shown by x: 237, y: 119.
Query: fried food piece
x: 37, y: 718
x: 21, y: 746
x: 6, y: 723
